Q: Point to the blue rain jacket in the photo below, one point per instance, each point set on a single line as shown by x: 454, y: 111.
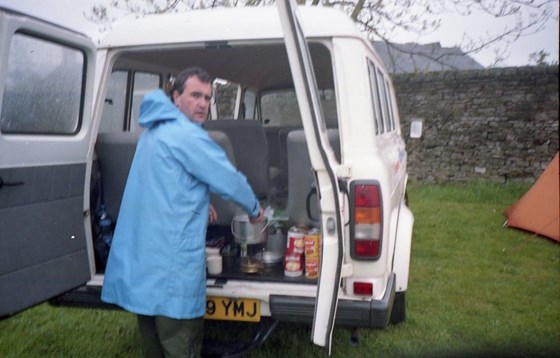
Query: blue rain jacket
x: 156, y: 265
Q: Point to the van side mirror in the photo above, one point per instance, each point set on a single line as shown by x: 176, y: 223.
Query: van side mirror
x: 416, y: 128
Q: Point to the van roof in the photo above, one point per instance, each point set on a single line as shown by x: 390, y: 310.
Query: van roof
x: 224, y: 24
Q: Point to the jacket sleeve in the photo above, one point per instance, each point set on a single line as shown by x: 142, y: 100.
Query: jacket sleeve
x: 207, y: 161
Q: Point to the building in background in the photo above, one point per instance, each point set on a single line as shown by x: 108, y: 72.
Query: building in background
x: 413, y: 57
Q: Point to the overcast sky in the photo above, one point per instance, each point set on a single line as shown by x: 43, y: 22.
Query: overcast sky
x: 71, y: 14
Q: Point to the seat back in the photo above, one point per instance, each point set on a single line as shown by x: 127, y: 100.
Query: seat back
x: 250, y: 148
x: 303, y: 203
x: 115, y: 152
x: 225, y: 209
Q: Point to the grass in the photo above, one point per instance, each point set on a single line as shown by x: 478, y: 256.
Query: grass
x: 475, y: 289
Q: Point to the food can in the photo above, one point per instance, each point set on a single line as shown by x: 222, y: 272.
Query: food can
x: 312, y: 266
x: 294, y: 243
x: 312, y: 240
x: 293, y: 265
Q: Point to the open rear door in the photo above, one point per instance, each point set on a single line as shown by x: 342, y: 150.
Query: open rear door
x: 324, y: 164
x: 46, y: 92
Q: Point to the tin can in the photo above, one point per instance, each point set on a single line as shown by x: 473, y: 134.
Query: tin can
x: 295, y: 244
x: 293, y: 265
x: 312, y: 266
x: 312, y: 240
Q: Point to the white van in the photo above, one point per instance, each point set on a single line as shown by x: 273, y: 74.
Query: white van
x: 304, y: 107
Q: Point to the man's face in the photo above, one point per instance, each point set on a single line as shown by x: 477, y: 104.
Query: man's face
x: 195, y: 100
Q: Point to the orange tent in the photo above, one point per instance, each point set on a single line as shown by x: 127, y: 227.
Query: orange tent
x: 538, y: 210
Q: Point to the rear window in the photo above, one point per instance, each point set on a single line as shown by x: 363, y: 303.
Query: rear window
x: 44, y: 87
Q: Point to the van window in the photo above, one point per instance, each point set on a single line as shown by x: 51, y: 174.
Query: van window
x: 249, y: 109
x: 44, y: 87
x: 376, y: 100
x: 280, y: 108
x: 383, y: 99
x: 225, y: 98
x: 143, y: 83
x: 112, y: 120
x: 390, y: 103
x: 124, y: 95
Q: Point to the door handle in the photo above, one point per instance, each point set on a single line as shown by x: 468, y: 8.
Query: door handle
x: 15, y: 183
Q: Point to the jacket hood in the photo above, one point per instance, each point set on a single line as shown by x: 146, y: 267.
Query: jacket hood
x: 156, y: 108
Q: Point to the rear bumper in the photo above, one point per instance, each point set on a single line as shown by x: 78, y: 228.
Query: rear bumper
x: 300, y: 309
x: 370, y: 313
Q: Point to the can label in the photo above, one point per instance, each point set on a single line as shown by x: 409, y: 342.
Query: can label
x: 312, y: 266
x: 312, y: 243
x: 293, y: 265
x: 295, y: 243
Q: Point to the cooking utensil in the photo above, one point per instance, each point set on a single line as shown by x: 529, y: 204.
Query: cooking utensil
x: 246, y: 232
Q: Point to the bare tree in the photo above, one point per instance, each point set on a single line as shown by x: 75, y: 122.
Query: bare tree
x: 381, y: 19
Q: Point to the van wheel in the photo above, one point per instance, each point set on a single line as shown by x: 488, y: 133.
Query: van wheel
x: 398, y: 314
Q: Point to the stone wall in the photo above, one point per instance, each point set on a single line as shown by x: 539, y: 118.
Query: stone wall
x: 494, y: 124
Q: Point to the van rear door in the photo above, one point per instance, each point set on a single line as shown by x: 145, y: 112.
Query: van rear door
x: 46, y: 92
x: 324, y: 165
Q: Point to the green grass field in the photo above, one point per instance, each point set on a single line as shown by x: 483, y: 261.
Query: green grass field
x: 475, y: 289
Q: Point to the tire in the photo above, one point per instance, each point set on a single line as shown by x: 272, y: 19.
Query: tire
x: 398, y: 314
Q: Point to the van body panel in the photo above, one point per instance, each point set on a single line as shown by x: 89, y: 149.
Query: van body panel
x: 403, y: 248
x: 351, y: 313
x: 46, y: 98
x: 237, y: 24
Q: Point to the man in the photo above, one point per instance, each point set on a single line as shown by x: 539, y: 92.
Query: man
x: 156, y: 266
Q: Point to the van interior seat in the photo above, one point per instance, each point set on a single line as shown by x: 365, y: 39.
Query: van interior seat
x: 250, y: 148
x: 115, y: 152
x: 225, y: 209
x: 303, y: 203
x: 276, y: 138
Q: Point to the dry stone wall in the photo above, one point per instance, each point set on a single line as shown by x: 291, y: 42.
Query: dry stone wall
x: 494, y: 124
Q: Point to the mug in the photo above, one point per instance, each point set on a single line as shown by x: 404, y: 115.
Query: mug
x: 214, y: 264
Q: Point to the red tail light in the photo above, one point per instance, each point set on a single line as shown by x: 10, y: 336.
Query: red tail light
x: 366, y: 220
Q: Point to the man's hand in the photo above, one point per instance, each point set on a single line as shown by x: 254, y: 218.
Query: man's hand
x: 258, y: 218
x: 212, y: 214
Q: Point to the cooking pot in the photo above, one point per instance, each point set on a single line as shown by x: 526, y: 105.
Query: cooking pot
x: 246, y: 232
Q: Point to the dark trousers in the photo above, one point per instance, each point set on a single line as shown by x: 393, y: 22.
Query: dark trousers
x: 168, y: 337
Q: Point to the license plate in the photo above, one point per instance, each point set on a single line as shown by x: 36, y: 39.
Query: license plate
x: 230, y: 309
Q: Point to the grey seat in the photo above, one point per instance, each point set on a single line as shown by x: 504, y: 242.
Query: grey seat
x: 115, y: 152
x: 303, y: 203
x: 250, y: 148
x: 226, y: 210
